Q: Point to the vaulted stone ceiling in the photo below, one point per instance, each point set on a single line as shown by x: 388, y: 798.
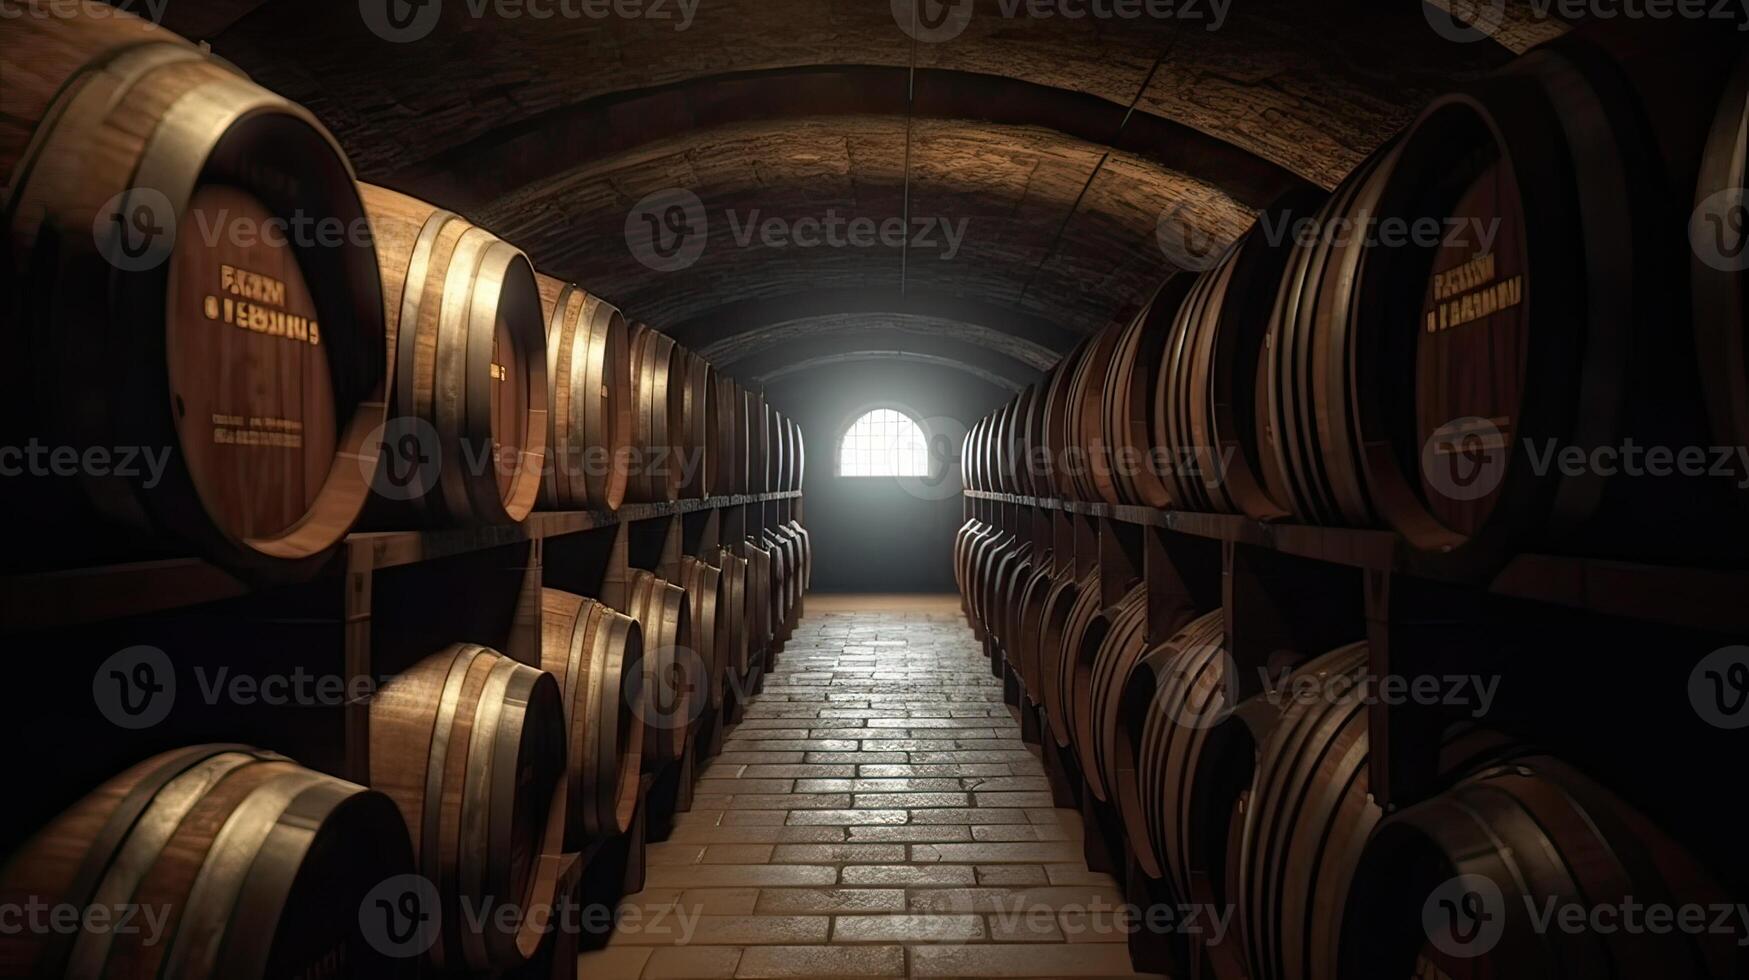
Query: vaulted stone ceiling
x: 1053, y: 170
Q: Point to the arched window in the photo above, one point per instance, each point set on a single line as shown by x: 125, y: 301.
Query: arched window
x: 884, y: 442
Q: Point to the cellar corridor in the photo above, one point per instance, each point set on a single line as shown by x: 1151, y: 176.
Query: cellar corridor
x: 875, y: 814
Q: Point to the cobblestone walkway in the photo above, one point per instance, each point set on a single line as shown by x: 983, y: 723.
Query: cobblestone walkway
x: 876, y: 815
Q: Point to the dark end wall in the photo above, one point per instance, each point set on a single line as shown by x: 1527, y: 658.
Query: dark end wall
x: 879, y: 534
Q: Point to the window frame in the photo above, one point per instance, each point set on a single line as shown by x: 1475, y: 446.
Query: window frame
x: 858, y: 415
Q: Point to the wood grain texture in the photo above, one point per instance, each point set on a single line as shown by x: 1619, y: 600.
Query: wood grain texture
x: 471, y: 746
x: 470, y: 362
x: 596, y: 656
x: 160, y: 208
x: 257, y: 866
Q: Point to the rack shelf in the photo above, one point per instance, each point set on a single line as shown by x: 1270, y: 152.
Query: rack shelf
x: 1699, y: 598
x: 86, y: 595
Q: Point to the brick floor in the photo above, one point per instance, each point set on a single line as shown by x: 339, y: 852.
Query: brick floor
x: 876, y: 815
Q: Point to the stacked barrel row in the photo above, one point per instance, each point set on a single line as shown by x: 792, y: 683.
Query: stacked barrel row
x: 1499, y: 283
x: 1501, y: 291
x: 484, y: 770
x: 401, y: 363
x: 1264, y: 807
x: 193, y: 270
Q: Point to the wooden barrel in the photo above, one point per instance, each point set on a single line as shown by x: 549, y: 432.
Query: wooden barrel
x: 798, y: 457
x: 989, y: 551
x: 1000, y: 586
x: 1191, y: 759
x: 1059, y: 439
x: 1320, y: 489
x: 659, y: 408
x: 703, y: 583
x: 1210, y: 415
x: 968, y: 574
x: 791, y: 454
x: 674, y: 677
x: 775, y: 449
x: 1008, y: 595
x: 1061, y: 646
x: 787, y: 451
x: 470, y: 366
x: 1091, y: 471
x: 1540, y: 317
x: 596, y: 656
x: 1035, y: 456
x: 256, y: 866
x: 758, y: 443
x: 795, y: 552
x: 204, y: 318
x: 730, y: 461
x: 971, y: 454
x: 589, y: 367
x: 1720, y: 309
x: 781, y: 559
x: 964, y: 548
x: 989, y: 463
x: 1014, y: 441
x: 1130, y: 392
x: 1451, y: 886
x: 470, y: 744
x: 1099, y: 675
x: 994, y: 464
x: 698, y: 421
x: 807, y: 545
x: 1024, y: 652
x: 731, y: 645
x: 997, y: 454
x: 1308, y: 814
x: 759, y: 586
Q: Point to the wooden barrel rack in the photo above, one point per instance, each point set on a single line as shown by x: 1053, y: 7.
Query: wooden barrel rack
x: 548, y: 592
x: 477, y: 715
x: 1135, y: 644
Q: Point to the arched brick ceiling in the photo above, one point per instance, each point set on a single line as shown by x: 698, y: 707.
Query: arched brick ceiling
x: 821, y: 348
x: 1063, y: 144
x: 861, y: 357
x: 730, y: 351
